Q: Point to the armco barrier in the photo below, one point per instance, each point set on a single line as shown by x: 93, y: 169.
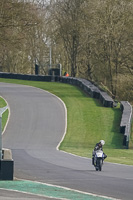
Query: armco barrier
x: 25, y: 77
x: 106, y: 99
x: 92, y: 90
x: 126, y: 120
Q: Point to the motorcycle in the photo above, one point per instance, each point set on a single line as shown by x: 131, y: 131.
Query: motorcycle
x: 98, y: 160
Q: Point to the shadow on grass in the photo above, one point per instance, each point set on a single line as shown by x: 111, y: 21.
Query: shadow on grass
x: 117, y: 140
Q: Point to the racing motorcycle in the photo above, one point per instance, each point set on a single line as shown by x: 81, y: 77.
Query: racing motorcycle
x: 98, y: 160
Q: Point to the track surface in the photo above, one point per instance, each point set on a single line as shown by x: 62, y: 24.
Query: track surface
x: 35, y: 128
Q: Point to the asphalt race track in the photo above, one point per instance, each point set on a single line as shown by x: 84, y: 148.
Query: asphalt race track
x: 35, y: 128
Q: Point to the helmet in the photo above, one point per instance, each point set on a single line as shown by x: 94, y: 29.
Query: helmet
x: 102, y: 142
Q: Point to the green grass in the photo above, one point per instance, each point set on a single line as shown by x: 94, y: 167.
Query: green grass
x: 88, y: 122
x: 131, y: 137
x: 5, y: 114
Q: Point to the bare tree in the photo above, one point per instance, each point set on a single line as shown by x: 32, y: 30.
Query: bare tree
x: 66, y: 16
x: 17, y: 20
x: 111, y: 50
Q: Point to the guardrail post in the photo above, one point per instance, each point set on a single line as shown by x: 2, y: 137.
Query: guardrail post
x: 2, y: 110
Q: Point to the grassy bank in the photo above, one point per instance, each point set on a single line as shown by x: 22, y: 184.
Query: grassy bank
x: 88, y: 122
x: 5, y: 114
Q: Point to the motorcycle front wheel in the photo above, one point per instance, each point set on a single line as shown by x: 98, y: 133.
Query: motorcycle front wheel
x: 100, y: 164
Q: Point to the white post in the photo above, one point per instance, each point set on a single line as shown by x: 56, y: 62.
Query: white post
x: 60, y: 69
x: 0, y: 136
x: 2, y: 110
x: 50, y: 56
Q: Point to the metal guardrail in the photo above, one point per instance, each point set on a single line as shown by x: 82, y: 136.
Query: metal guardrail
x: 90, y: 89
x: 126, y: 120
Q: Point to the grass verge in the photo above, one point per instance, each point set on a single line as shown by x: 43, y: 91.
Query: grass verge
x: 88, y: 122
x: 5, y: 114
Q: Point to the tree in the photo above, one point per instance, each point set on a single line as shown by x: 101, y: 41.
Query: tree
x: 67, y: 16
x: 111, y: 37
x: 91, y: 39
x: 17, y: 20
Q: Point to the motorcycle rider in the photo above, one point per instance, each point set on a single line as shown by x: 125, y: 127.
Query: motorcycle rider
x: 98, y: 146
